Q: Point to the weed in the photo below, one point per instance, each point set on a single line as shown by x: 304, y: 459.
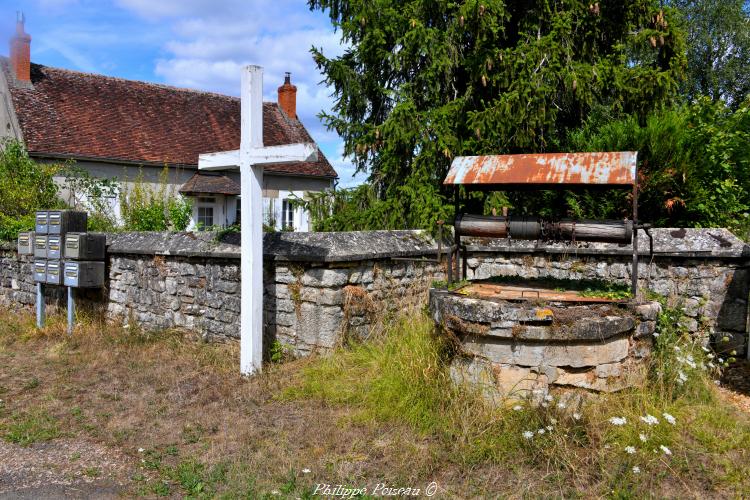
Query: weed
x: 92, y: 472
x: 30, y: 427
x: 31, y: 384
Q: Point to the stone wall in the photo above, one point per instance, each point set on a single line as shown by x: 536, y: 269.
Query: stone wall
x: 320, y: 287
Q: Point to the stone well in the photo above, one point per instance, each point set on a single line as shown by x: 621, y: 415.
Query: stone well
x: 517, y: 342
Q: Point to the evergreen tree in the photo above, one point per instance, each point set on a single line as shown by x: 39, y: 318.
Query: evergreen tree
x: 422, y: 82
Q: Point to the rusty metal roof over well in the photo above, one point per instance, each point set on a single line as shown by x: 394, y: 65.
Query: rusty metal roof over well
x: 611, y: 169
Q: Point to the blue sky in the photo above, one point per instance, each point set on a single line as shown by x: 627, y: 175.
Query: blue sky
x: 199, y: 44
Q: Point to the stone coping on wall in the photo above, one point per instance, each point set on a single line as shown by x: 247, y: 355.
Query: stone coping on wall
x: 668, y: 242
x: 367, y: 245
x: 282, y: 246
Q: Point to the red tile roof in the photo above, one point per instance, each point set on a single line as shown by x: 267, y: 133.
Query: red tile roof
x: 210, y: 183
x: 88, y: 116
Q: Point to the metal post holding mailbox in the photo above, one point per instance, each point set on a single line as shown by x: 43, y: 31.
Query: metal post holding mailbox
x: 71, y: 310
x: 40, y: 312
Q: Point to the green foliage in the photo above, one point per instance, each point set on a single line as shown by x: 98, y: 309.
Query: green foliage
x: 93, y: 195
x: 144, y: 208
x: 25, y: 428
x: 180, y: 212
x: 25, y: 187
x: 694, y: 164
x: 424, y: 82
x: 402, y: 378
x: 718, y: 49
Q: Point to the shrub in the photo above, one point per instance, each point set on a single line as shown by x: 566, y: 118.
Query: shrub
x: 145, y: 208
x: 25, y: 187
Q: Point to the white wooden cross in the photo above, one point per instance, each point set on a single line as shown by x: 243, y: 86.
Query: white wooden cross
x: 250, y: 159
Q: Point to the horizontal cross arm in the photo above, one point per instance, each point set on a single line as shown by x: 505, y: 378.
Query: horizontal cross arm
x: 282, y: 154
x: 219, y: 161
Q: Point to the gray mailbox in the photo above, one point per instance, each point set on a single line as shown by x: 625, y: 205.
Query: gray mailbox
x: 66, y: 221
x: 25, y: 243
x: 84, y: 274
x: 85, y: 246
x: 54, y: 246
x: 54, y: 272
x: 41, y: 222
x: 40, y: 271
x: 40, y: 246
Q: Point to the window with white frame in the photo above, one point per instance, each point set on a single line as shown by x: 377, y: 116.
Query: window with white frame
x: 205, y: 212
x: 287, y: 215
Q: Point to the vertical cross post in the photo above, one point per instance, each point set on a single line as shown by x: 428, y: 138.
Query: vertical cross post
x: 250, y: 159
x: 251, y: 137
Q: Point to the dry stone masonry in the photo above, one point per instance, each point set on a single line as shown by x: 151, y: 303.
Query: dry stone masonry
x: 517, y: 348
x: 321, y: 287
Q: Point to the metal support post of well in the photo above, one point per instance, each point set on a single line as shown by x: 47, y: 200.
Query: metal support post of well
x: 71, y: 310
x: 40, y: 313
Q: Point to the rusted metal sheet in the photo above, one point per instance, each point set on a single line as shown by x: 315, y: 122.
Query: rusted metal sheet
x: 613, y: 168
x: 514, y: 292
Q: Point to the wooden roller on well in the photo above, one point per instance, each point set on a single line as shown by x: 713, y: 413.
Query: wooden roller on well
x: 533, y: 228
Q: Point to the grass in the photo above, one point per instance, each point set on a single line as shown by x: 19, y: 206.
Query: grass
x: 184, y: 423
x: 585, y: 287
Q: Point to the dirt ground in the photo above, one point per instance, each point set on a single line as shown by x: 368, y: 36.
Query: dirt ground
x: 93, y: 417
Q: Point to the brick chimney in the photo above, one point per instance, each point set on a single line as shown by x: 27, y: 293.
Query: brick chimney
x: 288, y: 97
x: 20, y: 51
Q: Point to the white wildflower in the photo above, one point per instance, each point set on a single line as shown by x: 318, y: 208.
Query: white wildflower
x: 710, y: 355
x: 549, y: 428
x: 656, y: 335
x: 305, y: 471
x: 643, y: 437
x: 561, y: 405
x: 606, y: 446
x: 690, y: 357
x: 669, y: 418
x: 711, y: 365
x: 681, y: 376
x: 618, y: 421
x: 141, y: 450
x: 576, y: 416
x: 721, y: 360
x: 528, y: 434
x: 517, y: 408
x: 630, y: 450
x: 677, y: 349
x: 540, y: 431
x: 636, y: 469
x: 705, y: 349
x: 666, y: 450
x: 650, y: 420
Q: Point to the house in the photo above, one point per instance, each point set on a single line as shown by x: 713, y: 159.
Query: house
x: 116, y: 128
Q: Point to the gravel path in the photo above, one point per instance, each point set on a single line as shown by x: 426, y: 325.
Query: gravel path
x: 63, y: 468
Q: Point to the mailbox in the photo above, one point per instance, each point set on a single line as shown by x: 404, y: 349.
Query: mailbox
x: 54, y: 272
x: 84, y: 274
x: 66, y: 221
x: 25, y: 243
x: 54, y: 247
x: 41, y: 222
x: 40, y: 246
x: 40, y: 271
x: 85, y: 246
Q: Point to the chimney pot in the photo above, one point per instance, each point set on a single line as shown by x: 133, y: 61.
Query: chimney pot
x: 288, y: 97
x: 20, y: 51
